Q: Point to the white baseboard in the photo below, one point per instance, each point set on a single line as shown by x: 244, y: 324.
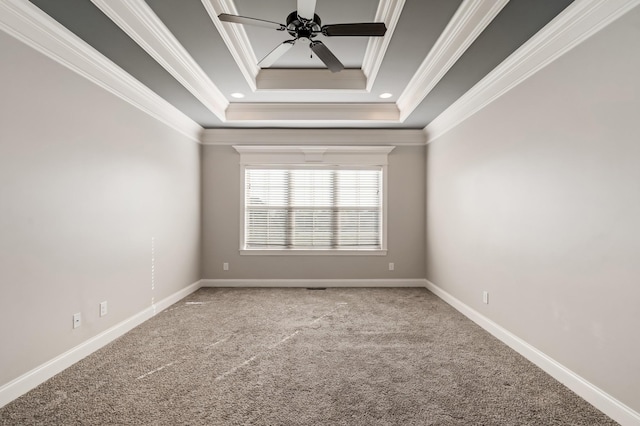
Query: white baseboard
x: 594, y: 395
x: 309, y: 283
x: 175, y: 297
x: 44, y: 372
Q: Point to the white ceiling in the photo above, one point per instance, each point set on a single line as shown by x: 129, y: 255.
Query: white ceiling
x: 434, y: 51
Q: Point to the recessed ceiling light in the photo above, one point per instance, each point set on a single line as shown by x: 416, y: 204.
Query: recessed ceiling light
x: 386, y: 95
x: 237, y: 95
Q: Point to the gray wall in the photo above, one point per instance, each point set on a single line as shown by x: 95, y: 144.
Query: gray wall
x: 536, y: 199
x: 221, y: 221
x: 86, y: 180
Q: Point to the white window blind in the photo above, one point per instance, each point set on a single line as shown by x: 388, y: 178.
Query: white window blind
x: 313, y: 208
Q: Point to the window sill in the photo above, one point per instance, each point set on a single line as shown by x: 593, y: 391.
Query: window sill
x: 311, y: 252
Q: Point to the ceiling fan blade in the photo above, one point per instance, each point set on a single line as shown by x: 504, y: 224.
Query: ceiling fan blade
x: 225, y: 17
x: 326, y: 56
x: 276, y: 53
x: 366, y: 29
x: 306, y: 9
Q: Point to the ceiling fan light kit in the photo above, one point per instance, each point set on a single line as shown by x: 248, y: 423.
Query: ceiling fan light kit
x: 304, y: 24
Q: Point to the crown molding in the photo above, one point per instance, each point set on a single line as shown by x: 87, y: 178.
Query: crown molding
x: 580, y: 20
x: 139, y: 21
x: 389, y: 12
x: 353, y: 137
x: 324, y: 154
x: 313, y: 150
x: 27, y: 23
x: 237, y: 41
x: 469, y: 21
x: 312, y: 112
x: 311, y: 79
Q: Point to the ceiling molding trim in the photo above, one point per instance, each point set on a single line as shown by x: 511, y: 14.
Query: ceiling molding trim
x: 139, y: 21
x: 27, y: 23
x: 312, y: 112
x: 469, y: 21
x: 360, y: 155
x: 396, y: 137
x: 236, y: 39
x: 305, y: 149
x: 311, y: 79
x: 580, y: 20
x: 389, y: 12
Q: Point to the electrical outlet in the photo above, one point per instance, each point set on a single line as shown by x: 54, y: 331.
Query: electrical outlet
x: 225, y: 266
x: 485, y: 297
x: 103, y: 308
x: 77, y: 320
x: 392, y: 266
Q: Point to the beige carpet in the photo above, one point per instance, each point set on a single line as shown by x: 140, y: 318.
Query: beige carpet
x: 304, y: 357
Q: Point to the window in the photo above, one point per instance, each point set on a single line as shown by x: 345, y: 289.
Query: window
x: 309, y: 200
x: 313, y: 208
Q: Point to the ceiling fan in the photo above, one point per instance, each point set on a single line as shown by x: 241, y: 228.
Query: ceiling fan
x: 304, y: 24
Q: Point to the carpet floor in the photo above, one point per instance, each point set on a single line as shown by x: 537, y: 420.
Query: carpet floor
x: 304, y: 357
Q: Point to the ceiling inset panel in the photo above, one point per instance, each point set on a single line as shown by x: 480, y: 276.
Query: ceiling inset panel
x: 434, y: 52
x: 350, y: 50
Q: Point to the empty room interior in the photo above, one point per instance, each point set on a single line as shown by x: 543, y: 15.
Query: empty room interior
x: 320, y: 212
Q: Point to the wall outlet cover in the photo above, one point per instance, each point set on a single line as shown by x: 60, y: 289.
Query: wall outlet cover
x: 77, y: 320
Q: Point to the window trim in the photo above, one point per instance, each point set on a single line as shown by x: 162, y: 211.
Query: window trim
x: 292, y: 155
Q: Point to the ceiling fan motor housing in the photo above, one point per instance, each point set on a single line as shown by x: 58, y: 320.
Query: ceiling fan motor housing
x: 299, y: 27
